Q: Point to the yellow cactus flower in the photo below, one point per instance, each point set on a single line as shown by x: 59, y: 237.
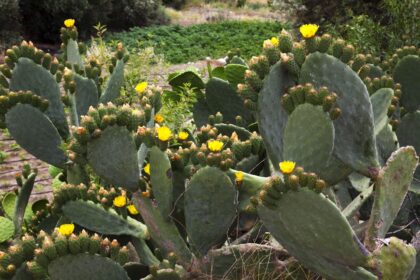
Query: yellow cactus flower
x: 69, y: 23
x: 66, y: 229
x: 164, y: 133
x: 287, y: 167
x: 183, y: 135
x: 120, y: 201
x: 239, y: 176
x: 132, y: 209
x: 147, y: 169
x: 159, y: 118
x: 308, y: 30
x: 141, y: 87
x: 274, y: 41
x: 215, y: 145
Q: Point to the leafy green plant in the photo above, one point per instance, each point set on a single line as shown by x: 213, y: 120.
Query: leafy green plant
x: 183, y: 44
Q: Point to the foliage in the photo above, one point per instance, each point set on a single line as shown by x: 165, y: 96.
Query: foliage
x: 282, y: 151
x: 183, y: 44
x: 40, y: 18
x: 9, y: 23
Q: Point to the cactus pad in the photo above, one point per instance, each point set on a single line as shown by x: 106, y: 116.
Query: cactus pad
x: 178, y: 80
x: 391, y: 188
x: 86, y: 94
x: 96, y: 218
x: 309, y: 138
x: 407, y: 74
x: 272, y: 117
x: 161, y: 229
x: 209, y: 208
x: 408, y: 133
x: 114, y: 84
x: 85, y: 266
x: 235, y: 74
x: 221, y: 97
x: 113, y: 157
x: 228, y: 129
x: 72, y: 53
x: 381, y: 100
x: 161, y: 179
x: 303, y: 221
x: 354, y: 129
x: 386, y: 143
x: 7, y: 229
x: 28, y: 75
x: 34, y: 132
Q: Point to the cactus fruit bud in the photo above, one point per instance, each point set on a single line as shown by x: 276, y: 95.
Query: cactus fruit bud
x: 285, y: 41
x: 335, y: 113
x: 337, y: 48
x: 348, y: 53
x: 324, y: 43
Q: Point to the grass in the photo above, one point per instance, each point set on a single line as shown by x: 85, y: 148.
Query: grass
x: 191, y: 43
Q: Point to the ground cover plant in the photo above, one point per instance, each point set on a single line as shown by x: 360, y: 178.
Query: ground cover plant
x: 302, y: 165
x: 184, y: 44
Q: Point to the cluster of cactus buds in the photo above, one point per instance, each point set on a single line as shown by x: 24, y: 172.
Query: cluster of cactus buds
x: 9, y: 99
x: 94, y: 193
x: 28, y: 50
x: 390, y: 63
x: 307, y: 93
x: 58, y: 245
x: 16, y: 255
x: 276, y: 186
x: 99, y: 119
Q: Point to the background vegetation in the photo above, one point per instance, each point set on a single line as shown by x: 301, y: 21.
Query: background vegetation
x: 183, y: 44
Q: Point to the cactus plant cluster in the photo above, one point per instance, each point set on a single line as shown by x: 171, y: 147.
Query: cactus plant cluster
x: 300, y: 140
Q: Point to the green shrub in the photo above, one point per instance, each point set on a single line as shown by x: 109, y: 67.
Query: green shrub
x: 183, y: 44
x: 42, y: 18
x: 9, y: 22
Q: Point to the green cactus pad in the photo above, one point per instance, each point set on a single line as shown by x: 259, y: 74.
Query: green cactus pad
x: 34, y: 132
x: 114, y: 84
x: 272, y: 117
x: 381, y: 100
x: 21, y: 206
x: 250, y: 186
x: 22, y: 273
x: 201, y: 112
x: 73, y: 54
x: 221, y: 97
x: 354, y: 130
x: 391, y: 187
x: 85, y: 266
x: 249, y: 164
x: 162, y: 230
x: 86, y: 94
x: 408, y: 133
x: 219, y: 72
x: 386, y: 143
x: 210, y: 208
x: 8, y: 204
x: 359, y: 182
x: 178, y: 80
x: 235, y: 74
x: 94, y: 217
x: 7, y: 229
x: 375, y: 71
x: 309, y: 138
x: 228, y: 129
x: 406, y: 73
x: 396, y: 259
x: 27, y: 75
x: 303, y: 222
x: 113, y: 157
x: 161, y: 179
